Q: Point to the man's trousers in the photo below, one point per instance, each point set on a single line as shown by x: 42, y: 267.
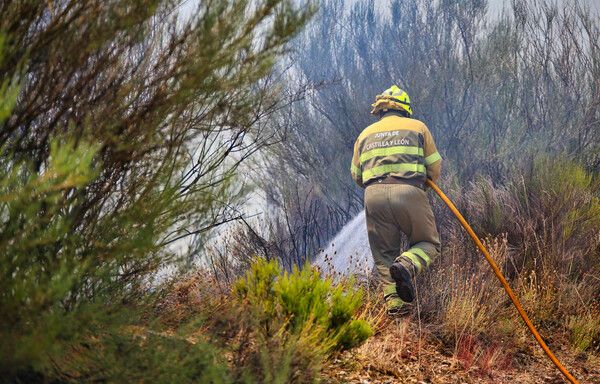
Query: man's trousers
x: 394, y: 209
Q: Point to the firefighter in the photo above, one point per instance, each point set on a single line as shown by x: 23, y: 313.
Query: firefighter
x: 392, y: 160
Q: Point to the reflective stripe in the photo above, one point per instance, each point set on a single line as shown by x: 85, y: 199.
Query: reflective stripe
x: 433, y: 158
x: 394, y: 302
x: 398, y: 150
x: 422, y: 254
x: 389, y: 289
x: 414, y: 259
x: 388, y: 168
x: 355, y: 170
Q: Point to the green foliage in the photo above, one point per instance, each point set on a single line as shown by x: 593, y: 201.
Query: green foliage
x: 9, y: 88
x: 585, y: 331
x: 304, y: 297
x: 59, y: 287
x: 306, y: 314
x: 571, y: 194
x: 118, y: 121
x: 139, y: 355
x: 35, y: 277
x: 554, y: 200
x: 564, y: 202
x: 258, y: 288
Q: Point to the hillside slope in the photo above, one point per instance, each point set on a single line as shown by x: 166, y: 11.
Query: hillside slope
x: 404, y: 352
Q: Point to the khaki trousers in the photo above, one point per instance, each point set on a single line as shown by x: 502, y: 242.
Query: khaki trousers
x: 393, y: 209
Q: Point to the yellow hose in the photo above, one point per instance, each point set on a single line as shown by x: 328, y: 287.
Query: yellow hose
x: 507, y: 288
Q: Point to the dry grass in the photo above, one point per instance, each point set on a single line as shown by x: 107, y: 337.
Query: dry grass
x: 404, y: 351
x: 543, y: 230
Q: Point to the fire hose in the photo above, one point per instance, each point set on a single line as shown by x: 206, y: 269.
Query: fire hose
x: 502, y: 279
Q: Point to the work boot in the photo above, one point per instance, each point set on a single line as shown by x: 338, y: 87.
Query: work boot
x: 403, y: 279
x: 395, y: 305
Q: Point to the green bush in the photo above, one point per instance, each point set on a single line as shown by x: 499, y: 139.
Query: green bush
x: 585, y: 330
x: 553, y: 202
x: 101, y: 113
x: 302, y: 297
x: 299, y: 314
x: 141, y: 355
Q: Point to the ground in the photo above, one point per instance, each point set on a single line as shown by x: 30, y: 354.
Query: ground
x: 403, y: 352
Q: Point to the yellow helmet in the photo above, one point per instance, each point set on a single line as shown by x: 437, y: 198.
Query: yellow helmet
x: 392, y: 98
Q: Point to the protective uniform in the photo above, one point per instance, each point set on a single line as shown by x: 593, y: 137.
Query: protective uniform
x: 392, y: 160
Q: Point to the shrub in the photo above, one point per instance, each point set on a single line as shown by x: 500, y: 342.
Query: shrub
x: 102, y: 113
x: 552, y: 216
x: 542, y: 227
x: 299, y: 318
x: 585, y: 331
x: 142, y: 355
